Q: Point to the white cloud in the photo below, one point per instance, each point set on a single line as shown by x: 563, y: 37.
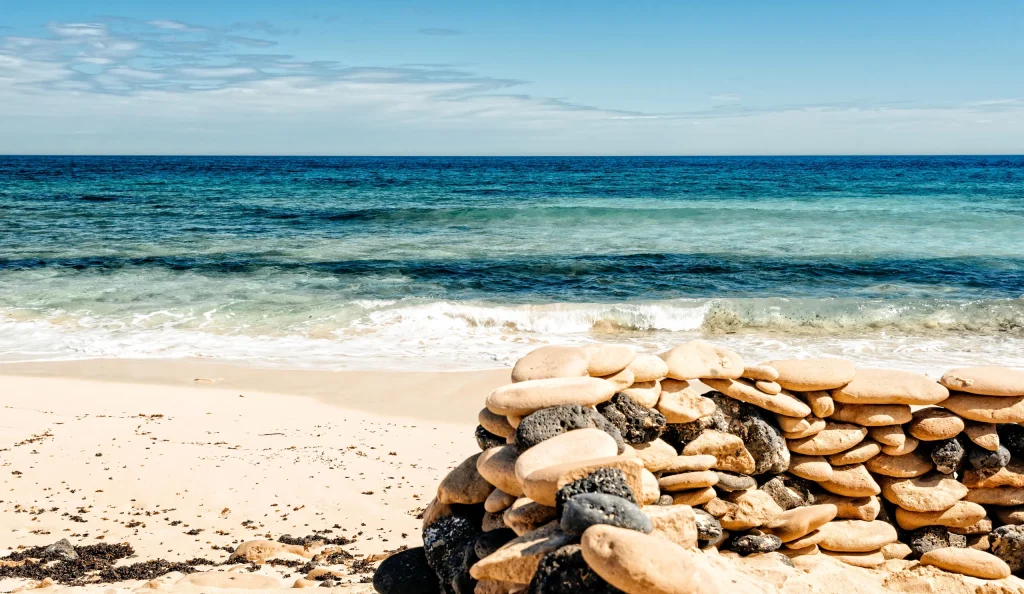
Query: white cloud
x: 172, y: 25
x: 216, y: 72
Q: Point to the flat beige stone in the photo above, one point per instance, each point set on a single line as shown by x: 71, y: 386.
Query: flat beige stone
x: 498, y: 501
x: 1009, y: 514
x: 621, y: 380
x: 935, y: 424
x: 970, y: 562
x: 493, y: 521
x: 783, y: 403
x: 909, y: 446
x: 648, y: 368
x: 858, y: 454
x: 498, y: 466
x: 905, y: 466
x: 676, y: 523
x: 549, y: 362
x: 753, y: 508
x: 644, y: 393
x: 983, y: 435
x: 871, y: 415
x: 986, y: 381
x: 888, y: 436
x: 963, y: 514
x: 889, y: 386
x: 517, y: 561
x: 765, y: 373
x: 867, y: 560
x: 812, y: 468
x: 205, y: 581
x: 810, y: 539
x: 688, y: 480
x: 896, y: 550
x: 851, y: 508
x: 928, y: 493
x: 691, y: 463
x: 801, y: 521
x: 727, y: 449
x: 514, y: 420
x: 805, y: 427
x: 529, y: 396
x: 1012, y: 475
x: 1008, y: 496
x: 834, y: 438
x: 698, y: 359
x: 768, y: 387
x: 526, y: 515
x: 571, y: 446
x: 986, y: 409
x: 821, y: 403
x: 542, y: 485
x: 656, y: 455
x: 794, y: 424
x: 607, y: 359
x: 856, y: 536
x: 496, y: 424
x: 808, y: 375
x: 464, y: 484
x: 643, y: 564
x: 650, y: 490
x: 719, y: 507
x: 695, y: 497
x: 851, y: 481
x: 681, y: 403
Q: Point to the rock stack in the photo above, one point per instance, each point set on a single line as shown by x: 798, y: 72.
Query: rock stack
x: 603, y: 470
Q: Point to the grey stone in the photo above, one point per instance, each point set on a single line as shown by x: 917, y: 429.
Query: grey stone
x: 708, y: 526
x: 637, y: 424
x: 982, y: 459
x: 556, y: 420
x: 948, y: 455
x: 930, y: 538
x: 755, y: 543
x: 62, y: 550
x: 734, y: 482
x: 491, y: 541
x: 565, y: 572
x: 586, y: 509
x: 789, y: 491
x: 603, y: 480
x: 664, y: 500
x: 1007, y: 543
x: 405, y: 572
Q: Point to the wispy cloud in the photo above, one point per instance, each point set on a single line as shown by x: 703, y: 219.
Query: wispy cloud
x: 726, y: 97
x: 439, y: 32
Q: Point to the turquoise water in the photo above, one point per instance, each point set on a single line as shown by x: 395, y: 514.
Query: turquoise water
x: 467, y: 262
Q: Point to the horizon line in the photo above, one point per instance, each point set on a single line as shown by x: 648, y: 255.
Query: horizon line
x: 511, y: 155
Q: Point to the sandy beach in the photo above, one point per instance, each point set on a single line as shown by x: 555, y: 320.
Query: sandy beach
x: 187, y: 460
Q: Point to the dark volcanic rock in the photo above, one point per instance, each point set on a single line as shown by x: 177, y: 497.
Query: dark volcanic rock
x: 586, y: 509
x: 982, y: 459
x: 445, y: 542
x: 1011, y: 437
x: 948, y: 455
x: 636, y: 423
x: 789, y: 491
x: 708, y: 526
x: 491, y: 541
x: 603, y: 480
x: 755, y: 543
x: 680, y: 434
x: 1008, y: 545
x: 556, y: 420
x: 406, y: 572
x: 728, y: 481
x: 487, y: 440
x: 565, y: 572
x: 759, y: 433
x: 930, y: 538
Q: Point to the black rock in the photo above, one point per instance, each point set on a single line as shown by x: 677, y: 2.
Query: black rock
x: 680, y: 434
x: 1008, y: 544
x: 734, y: 482
x: 708, y: 526
x: 556, y: 420
x: 445, y: 542
x: 61, y: 550
x: 948, y: 455
x: 487, y: 440
x: 491, y: 541
x: 755, y: 543
x: 603, y: 480
x: 406, y: 572
x: 982, y: 459
x: 586, y: 509
x: 664, y: 500
x: 1011, y: 436
x: 789, y: 491
x: 761, y: 436
x: 930, y: 538
x: 565, y: 572
x: 637, y: 424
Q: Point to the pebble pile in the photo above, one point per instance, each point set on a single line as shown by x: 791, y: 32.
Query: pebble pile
x: 603, y: 470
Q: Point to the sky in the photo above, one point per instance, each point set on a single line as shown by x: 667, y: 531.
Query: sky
x: 403, y: 77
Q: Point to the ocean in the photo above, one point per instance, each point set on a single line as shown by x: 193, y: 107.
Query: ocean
x: 462, y: 263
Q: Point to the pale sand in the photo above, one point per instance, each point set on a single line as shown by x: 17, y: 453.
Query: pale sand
x: 245, y: 454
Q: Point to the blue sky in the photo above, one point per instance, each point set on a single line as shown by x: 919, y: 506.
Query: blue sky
x: 408, y: 77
